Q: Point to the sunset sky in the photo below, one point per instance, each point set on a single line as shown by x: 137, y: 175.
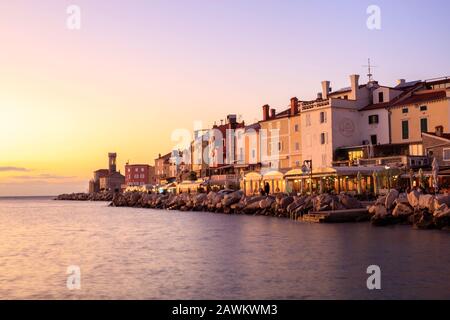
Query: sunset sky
x: 137, y: 70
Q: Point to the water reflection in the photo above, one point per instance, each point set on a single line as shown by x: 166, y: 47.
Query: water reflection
x: 146, y: 254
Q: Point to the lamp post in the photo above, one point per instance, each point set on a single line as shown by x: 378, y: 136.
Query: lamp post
x: 307, y: 165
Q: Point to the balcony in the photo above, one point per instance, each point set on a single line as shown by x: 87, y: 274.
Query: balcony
x: 308, y: 105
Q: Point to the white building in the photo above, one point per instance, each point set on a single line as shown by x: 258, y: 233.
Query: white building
x: 374, y: 122
x: 332, y: 121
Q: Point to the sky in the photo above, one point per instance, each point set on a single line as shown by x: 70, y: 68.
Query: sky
x: 137, y: 70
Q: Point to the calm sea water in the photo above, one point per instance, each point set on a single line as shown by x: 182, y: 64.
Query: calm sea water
x: 126, y: 253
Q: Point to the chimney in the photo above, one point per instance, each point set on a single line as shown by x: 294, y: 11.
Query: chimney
x: 401, y: 82
x: 319, y: 96
x: 325, y: 89
x: 231, y: 119
x: 354, y: 81
x: 265, y: 112
x: 272, y: 113
x: 294, y: 106
x: 439, y: 131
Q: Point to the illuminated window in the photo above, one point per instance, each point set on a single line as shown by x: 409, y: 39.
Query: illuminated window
x: 355, y: 155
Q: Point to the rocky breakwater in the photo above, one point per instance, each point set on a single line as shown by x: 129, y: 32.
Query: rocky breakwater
x: 235, y: 202
x: 100, y: 196
x: 423, y: 211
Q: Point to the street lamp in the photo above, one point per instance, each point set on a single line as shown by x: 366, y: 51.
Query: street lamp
x: 307, y: 166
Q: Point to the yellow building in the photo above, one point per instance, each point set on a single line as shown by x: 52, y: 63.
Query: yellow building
x: 280, y: 137
x: 421, y: 111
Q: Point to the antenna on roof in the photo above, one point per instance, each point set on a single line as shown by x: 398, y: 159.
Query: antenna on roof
x: 369, y: 68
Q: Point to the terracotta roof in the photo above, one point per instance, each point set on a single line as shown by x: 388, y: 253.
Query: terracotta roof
x: 407, y: 85
x: 443, y: 136
x: 255, y: 126
x: 166, y: 156
x: 382, y: 105
x: 422, y: 96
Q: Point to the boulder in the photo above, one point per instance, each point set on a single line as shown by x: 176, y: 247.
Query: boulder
x: 413, y: 198
x: 232, y: 198
x: 381, y: 201
x: 426, y: 201
x: 402, y: 210
x: 266, y: 203
x: 285, y: 202
x: 349, y: 202
x: 390, y: 198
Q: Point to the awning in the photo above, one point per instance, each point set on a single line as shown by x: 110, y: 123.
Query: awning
x: 336, y: 171
x: 273, y: 175
x: 253, y: 176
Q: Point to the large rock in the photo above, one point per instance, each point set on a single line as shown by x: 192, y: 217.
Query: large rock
x: 426, y: 201
x: 402, y: 198
x: 266, y: 203
x: 232, y: 198
x: 349, y: 202
x: 390, y: 198
x: 441, y: 218
x: 413, y: 198
x: 402, y: 210
x: 285, y: 202
x: 425, y: 222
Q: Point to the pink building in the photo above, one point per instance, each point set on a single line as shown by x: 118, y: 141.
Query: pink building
x: 139, y: 175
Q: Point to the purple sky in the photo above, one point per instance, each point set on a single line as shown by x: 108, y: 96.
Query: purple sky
x: 170, y: 63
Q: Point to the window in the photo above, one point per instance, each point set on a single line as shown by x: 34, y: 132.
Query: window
x: 323, y: 117
x: 373, y: 139
x: 308, y: 120
x: 355, y: 155
x: 136, y: 169
x: 346, y: 97
x: 142, y: 169
x: 280, y: 146
x: 405, y: 130
x: 297, y: 146
x: 424, y: 125
x: 323, y: 138
x: 373, y: 119
x: 446, y: 154
x: 241, y: 154
x: 380, y: 97
x: 423, y: 108
x: 296, y: 128
x: 297, y: 163
x: 405, y: 110
x: 253, y: 153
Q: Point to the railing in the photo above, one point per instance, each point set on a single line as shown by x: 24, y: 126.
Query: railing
x: 307, y: 105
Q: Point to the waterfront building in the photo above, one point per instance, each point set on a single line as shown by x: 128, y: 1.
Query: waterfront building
x: 162, y: 168
x: 222, y: 145
x: 107, y: 179
x: 199, y: 153
x: 417, y: 113
x: 139, y: 175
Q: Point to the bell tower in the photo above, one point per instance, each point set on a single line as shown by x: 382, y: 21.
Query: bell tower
x: 112, y: 162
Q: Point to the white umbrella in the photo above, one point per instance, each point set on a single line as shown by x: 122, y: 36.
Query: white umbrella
x: 359, y: 186
x: 435, y: 171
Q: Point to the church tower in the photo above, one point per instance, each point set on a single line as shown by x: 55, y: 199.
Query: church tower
x: 112, y: 162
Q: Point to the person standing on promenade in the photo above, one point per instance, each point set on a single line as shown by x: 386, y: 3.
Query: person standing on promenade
x: 267, y: 188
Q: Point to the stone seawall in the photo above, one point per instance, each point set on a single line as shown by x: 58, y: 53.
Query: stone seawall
x: 422, y: 211
x: 101, y: 196
x: 235, y: 202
